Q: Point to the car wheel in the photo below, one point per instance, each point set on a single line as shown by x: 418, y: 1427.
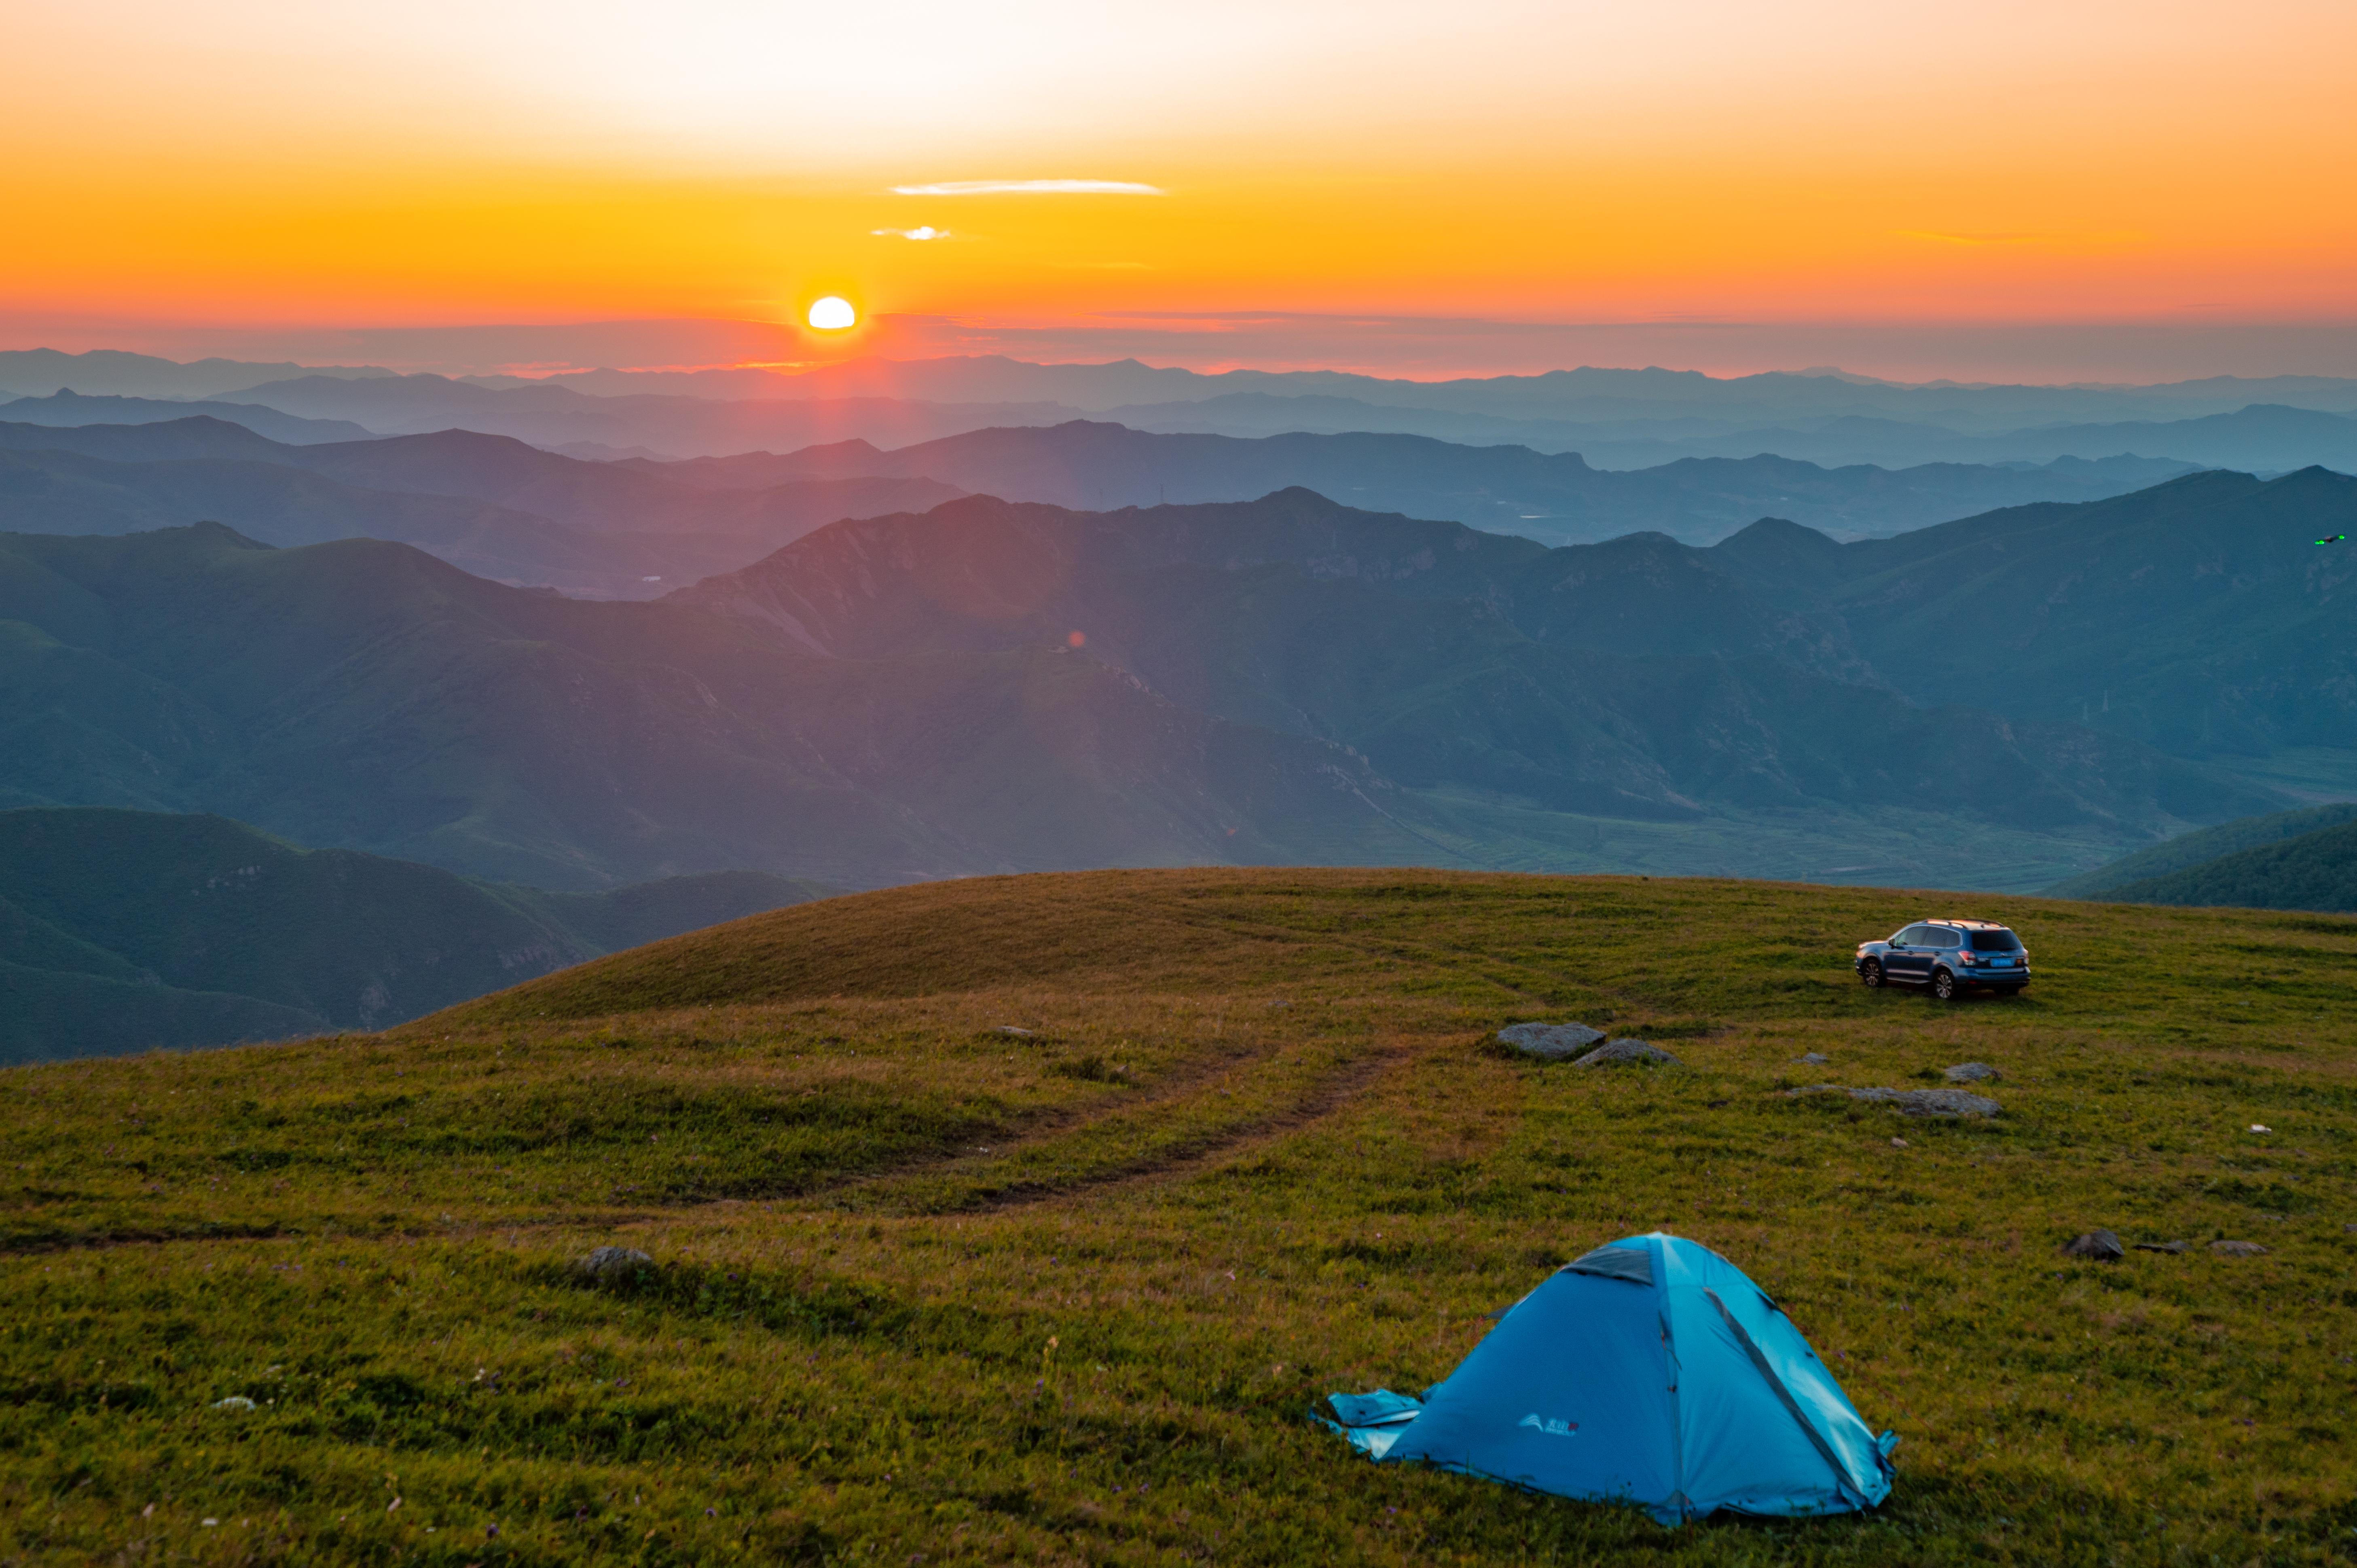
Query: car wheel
x: 1944, y: 986
x: 1871, y: 972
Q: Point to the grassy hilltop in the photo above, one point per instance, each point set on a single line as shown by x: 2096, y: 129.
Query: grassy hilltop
x: 929, y: 1291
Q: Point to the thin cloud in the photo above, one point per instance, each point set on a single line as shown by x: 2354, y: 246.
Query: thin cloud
x: 1977, y: 239
x: 1030, y: 188
x: 922, y: 232
x: 2114, y: 237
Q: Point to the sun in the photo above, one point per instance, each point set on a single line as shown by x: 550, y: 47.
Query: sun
x: 832, y: 314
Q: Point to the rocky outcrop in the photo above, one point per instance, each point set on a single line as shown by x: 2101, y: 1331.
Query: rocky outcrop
x: 1912, y: 1101
x: 1552, y: 1041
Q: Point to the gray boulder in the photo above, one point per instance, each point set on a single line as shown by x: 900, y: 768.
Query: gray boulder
x: 1552, y: 1041
x: 1627, y: 1052
x: 2171, y: 1247
x: 1816, y: 1058
x: 2099, y: 1245
x: 1971, y: 1072
x: 613, y: 1262
x: 2236, y: 1249
x: 1912, y: 1101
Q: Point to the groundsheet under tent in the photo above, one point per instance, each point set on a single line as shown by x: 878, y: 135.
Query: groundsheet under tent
x: 1650, y: 1372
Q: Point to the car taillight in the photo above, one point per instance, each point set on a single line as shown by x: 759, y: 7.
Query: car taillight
x: 1972, y: 958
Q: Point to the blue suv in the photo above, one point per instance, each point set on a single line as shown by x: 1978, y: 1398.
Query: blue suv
x: 1949, y: 957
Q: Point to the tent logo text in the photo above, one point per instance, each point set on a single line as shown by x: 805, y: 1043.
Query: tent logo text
x: 1551, y: 1428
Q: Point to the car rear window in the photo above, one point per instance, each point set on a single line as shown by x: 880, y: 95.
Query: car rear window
x: 1995, y: 941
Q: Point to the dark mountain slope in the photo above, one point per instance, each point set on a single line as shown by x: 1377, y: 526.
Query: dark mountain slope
x: 364, y: 695
x: 163, y: 441
x: 2198, y: 616
x: 1420, y: 645
x: 2202, y: 845
x: 199, y: 916
x: 2315, y: 871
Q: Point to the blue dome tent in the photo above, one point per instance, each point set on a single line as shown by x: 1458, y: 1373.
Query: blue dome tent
x: 1651, y: 1372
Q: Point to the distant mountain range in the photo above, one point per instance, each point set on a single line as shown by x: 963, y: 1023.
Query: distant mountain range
x: 635, y: 529
x: 1555, y: 500
x: 364, y: 695
x: 490, y: 504
x: 1615, y: 419
x: 2202, y: 847
x: 128, y: 931
x: 67, y: 409
x: 992, y: 686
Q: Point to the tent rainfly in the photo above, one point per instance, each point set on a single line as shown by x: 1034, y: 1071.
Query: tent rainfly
x: 1650, y: 1372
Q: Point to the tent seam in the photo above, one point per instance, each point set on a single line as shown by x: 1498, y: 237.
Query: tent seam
x: 1677, y: 1382
x: 1842, y: 1480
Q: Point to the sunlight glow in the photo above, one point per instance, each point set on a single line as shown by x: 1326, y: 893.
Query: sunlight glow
x: 832, y: 314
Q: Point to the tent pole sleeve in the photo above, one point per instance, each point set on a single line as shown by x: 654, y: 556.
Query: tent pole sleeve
x: 1760, y: 1361
x: 1660, y: 1283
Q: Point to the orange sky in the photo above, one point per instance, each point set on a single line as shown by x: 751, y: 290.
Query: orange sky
x: 259, y: 162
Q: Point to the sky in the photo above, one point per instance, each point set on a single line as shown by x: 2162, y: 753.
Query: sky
x: 1991, y: 190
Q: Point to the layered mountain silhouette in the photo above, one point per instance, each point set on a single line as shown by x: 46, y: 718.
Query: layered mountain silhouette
x: 126, y: 930
x: 2196, y: 615
x: 993, y: 685
x: 1558, y: 499
x: 68, y: 408
x: 489, y: 503
x: 1634, y: 677
x: 1614, y: 418
x: 364, y: 695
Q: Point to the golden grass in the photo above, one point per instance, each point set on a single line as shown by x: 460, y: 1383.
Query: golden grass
x: 925, y: 1287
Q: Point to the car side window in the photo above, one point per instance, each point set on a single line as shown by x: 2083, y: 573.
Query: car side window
x: 1940, y: 938
x: 1913, y: 937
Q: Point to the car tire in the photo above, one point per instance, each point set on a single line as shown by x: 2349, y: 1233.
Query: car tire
x: 1944, y: 986
x: 1871, y: 972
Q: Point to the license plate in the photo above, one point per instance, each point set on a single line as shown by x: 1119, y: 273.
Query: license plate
x: 2001, y: 963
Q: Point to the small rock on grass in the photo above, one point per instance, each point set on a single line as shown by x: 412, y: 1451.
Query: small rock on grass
x: 2100, y: 1245
x: 1971, y: 1072
x: 1816, y: 1058
x: 1552, y: 1041
x: 2162, y: 1246
x: 1912, y: 1101
x: 613, y: 1262
x: 1627, y: 1052
x: 2236, y: 1249
x: 1011, y: 1029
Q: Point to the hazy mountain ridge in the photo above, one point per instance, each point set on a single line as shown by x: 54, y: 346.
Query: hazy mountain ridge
x: 364, y: 695
x: 1618, y: 419
x: 2203, y: 846
x: 1446, y: 657
x: 430, y: 491
x: 66, y: 409
x: 2315, y: 871
x: 1556, y: 498
x: 129, y: 929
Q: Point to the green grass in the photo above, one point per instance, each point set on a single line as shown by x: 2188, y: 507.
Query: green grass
x: 922, y: 1287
